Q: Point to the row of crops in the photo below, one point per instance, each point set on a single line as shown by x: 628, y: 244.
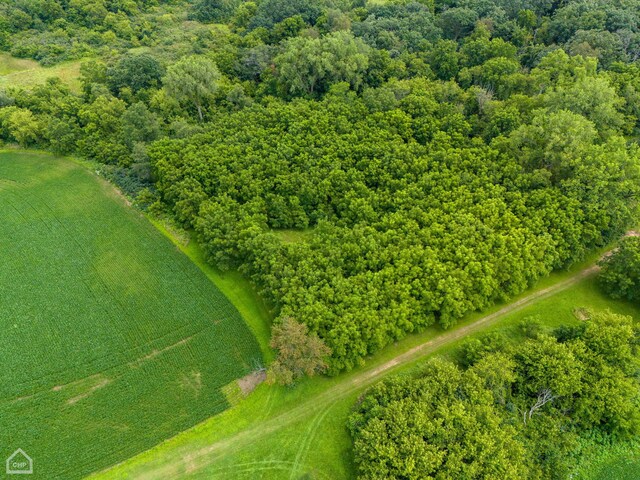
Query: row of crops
x: 113, y: 340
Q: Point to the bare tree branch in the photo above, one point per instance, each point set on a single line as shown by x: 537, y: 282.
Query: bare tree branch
x: 544, y: 396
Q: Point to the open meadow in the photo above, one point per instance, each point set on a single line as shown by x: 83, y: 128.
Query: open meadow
x: 113, y: 340
x: 27, y: 73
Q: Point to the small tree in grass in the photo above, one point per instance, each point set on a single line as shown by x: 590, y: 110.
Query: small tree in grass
x: 300, y: 353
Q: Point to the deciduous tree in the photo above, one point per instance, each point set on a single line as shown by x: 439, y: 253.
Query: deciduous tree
x: 193, y: 80
x: 299, y: 353
x: 620, y: 274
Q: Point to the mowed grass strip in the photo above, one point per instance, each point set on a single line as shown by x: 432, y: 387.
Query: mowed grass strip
x: 27, y: 73
x: 112, y: 339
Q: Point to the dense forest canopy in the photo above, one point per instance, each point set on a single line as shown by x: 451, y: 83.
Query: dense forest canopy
x: 413, y: 223
x: 431, y: 157
x: 513, y: 412
x: 620, y: 274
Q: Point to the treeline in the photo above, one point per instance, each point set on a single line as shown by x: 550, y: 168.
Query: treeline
x: 509, y: 412
x: 54, y: 30
x: 51, y: 31
x: 620, y: 274
x: 430, y: 159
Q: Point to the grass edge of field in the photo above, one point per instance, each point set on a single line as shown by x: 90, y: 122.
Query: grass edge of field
x: 200, y: 436
x: 208, y: 430
x: 238, y: 290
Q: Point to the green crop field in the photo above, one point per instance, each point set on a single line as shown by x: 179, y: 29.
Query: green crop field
x: 112, y: 339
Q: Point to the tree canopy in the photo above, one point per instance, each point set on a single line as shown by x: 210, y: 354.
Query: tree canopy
x: 299, y: 353
x: 413, y: 222
x: 193, y: 80
x: 513, y: 413
x: 620, y: 275
x: 372, y: 167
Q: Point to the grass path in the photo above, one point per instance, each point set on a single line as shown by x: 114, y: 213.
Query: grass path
x: 318, y: 406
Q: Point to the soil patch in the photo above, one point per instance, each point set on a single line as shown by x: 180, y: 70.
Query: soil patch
x: 248, y: 383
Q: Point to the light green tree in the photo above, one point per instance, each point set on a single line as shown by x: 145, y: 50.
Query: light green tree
x: 193, y: 80
x: 308, y: 66
x: 24, y: 127
x: 593, y: 98
x: 443, y: 425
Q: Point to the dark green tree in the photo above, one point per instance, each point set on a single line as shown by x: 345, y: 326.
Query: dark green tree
x: 620, y: 274
x: 136, y: 72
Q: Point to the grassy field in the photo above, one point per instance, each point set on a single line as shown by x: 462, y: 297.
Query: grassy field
x: 283, y: 433
x: 19, y: 72
x: 113, y: 340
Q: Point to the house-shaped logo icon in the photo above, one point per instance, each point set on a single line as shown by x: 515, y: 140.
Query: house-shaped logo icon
x: 19, y: 463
